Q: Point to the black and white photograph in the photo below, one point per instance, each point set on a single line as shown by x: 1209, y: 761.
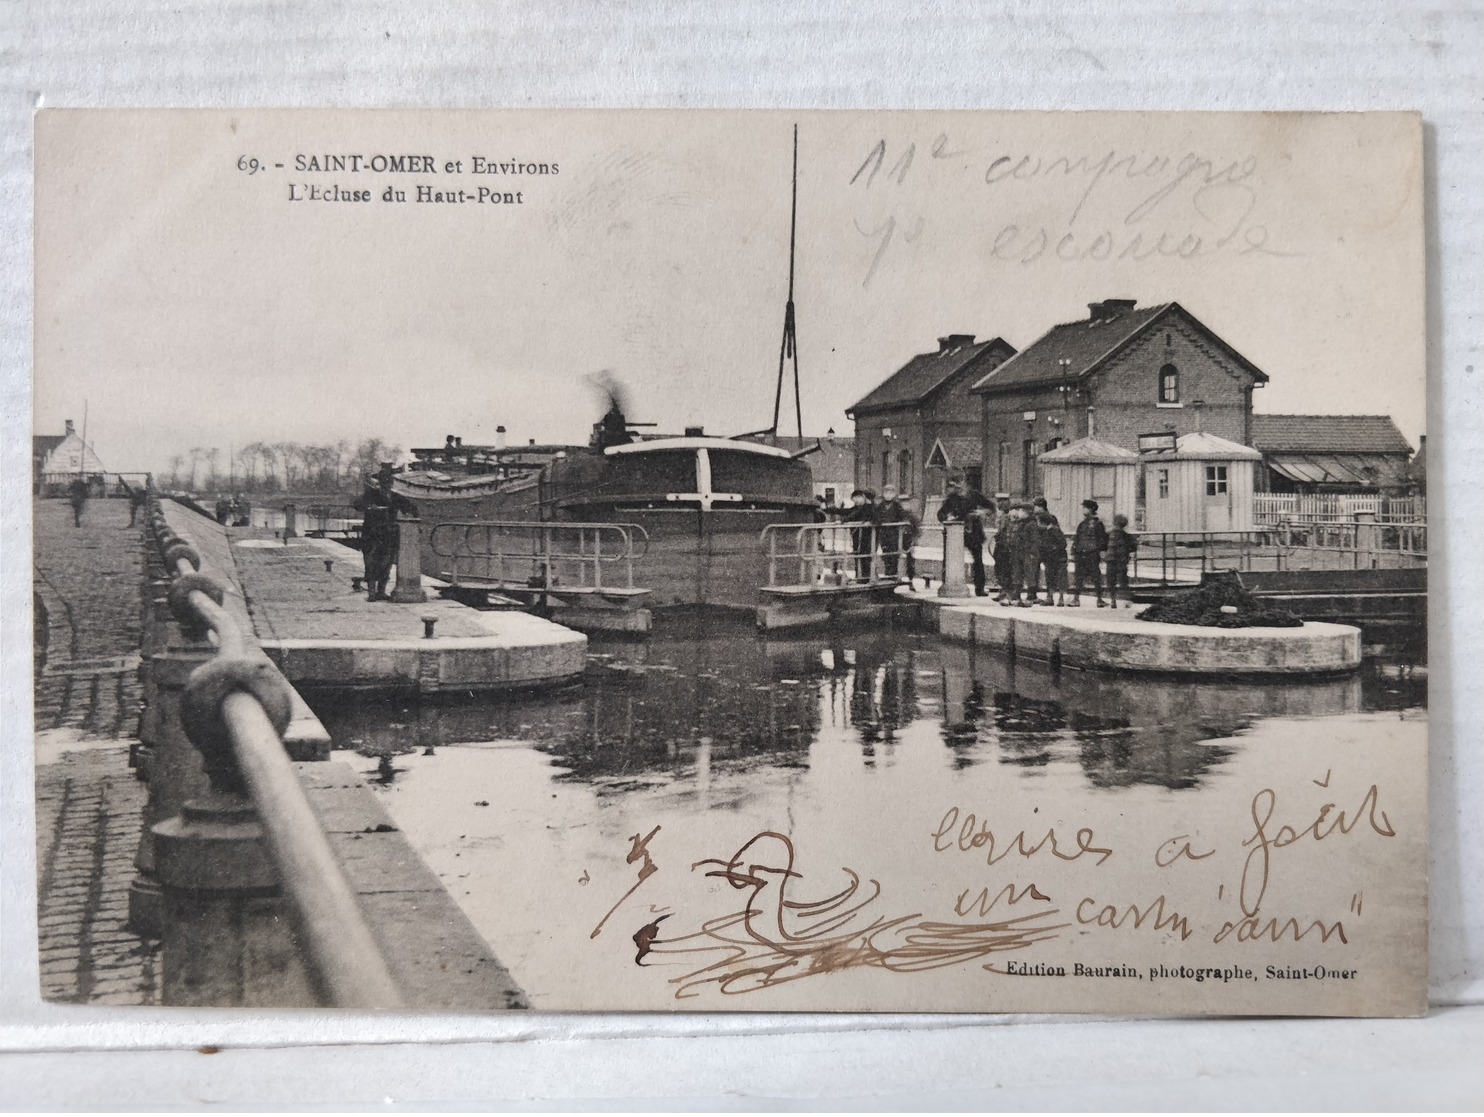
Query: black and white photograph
x: 731, y: 561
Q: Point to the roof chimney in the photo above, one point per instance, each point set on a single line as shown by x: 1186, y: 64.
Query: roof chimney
x: 1108, y: 309
x: 500, y: 438
x: 953, y: 341
x: 695, y: 432
x: 70, y: 428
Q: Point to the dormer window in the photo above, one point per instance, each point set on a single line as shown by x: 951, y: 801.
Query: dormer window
x: 1169, y: 384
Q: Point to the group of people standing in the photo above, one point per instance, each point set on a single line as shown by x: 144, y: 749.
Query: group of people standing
x: 886, y: 523
x: 1029, y: 548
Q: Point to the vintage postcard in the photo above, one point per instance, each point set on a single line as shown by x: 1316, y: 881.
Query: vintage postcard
x: 731, y: 561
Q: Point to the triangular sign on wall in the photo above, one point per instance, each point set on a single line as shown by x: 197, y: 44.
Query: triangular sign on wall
x: 938, y: 458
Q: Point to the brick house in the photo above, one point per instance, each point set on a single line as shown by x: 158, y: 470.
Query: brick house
x: 921, y: 423
x: 1120, y: 372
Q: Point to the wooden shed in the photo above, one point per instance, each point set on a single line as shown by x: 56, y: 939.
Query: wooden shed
x: 1089, y: 469
x: 1204, y: 484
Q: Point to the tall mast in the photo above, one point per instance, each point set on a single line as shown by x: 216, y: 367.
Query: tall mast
x: 789, y: 348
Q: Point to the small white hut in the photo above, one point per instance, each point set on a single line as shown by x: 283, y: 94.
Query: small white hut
x: 1089, y: 469
x: 1204, y: 484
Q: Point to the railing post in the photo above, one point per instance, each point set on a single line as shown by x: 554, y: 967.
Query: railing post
x: 409, y: 585
x: 290, y: 521
x: 227, y: 942
x: 954, y: 583
x: 598, y: 558
x: 175, y: 774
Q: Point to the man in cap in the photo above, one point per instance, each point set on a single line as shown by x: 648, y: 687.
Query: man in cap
x: 968, y: 507
x: 379, y: 506
x: 896, y: 541
x: 1088, y: 546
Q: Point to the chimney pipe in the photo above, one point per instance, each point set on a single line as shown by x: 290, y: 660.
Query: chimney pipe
x: 70, y: 428
x: 500, y: 438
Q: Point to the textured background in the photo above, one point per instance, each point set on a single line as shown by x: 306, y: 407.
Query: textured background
x: 1276, y: 55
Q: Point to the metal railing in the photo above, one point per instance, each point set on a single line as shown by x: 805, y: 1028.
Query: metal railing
x: 839, y: 554
x: 343, y: 520
x: 536, y: 554
x: 234, y: 708
x: 1187, y: 556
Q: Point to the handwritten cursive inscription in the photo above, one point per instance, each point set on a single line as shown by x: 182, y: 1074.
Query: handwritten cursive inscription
x: 973, y: 835
x: 1263, y: 841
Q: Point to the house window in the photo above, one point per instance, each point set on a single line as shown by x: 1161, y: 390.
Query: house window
x: 829, y: 495
x: 1004, y: 485
x: 1169, y: 384
x: 904, y: 472
x: 1164, y: 483
x: 1215, y: 480
x: 886, y: 468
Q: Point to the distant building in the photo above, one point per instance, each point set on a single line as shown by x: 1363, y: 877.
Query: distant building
x: 920, y: 424
x: 56, y: 458
x: 1114, y: 375
x: 1331, y: 454
x: 833, y: 463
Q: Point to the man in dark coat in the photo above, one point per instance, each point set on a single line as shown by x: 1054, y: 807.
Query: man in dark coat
x: 379, y: 507
x: 1088, y: 546
x: 896, y: 542
x: 77, y: 493
x: 969, y: 507
x: 862, y: 511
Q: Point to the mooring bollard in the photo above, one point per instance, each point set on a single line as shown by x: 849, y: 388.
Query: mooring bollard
x: 290, y: 522
x: 954, y: 583
x: 409, y: 585
x: 174, y: 771
x: 228, y: 940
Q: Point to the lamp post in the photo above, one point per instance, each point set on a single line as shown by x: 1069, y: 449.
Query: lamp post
x: 1065, y: 363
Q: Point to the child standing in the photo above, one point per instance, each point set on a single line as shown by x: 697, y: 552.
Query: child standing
x: 1053, y: 557
x: 1122, y: 543
x: 1087, y: 552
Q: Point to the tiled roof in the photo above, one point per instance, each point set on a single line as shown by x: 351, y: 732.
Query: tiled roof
x: 925, y: 373
x: 1090, y: 450
x: 1086, y: 344
x: 1082, y: 343
x: 1328, y: 434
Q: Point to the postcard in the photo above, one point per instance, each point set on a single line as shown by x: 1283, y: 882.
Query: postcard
x: 731, y: 561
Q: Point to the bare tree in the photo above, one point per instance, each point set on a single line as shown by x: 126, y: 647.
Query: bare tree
x: 213, y: 479
x: 269, y: 456
x: 194, y: 454
x: 176, y: 461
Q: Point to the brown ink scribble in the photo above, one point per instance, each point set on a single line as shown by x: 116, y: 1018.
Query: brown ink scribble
x: 775, y: 939
x: 638, y: 851
x: 644, y: 938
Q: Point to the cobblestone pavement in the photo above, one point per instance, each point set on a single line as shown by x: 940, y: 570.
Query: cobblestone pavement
x: 89, y: 806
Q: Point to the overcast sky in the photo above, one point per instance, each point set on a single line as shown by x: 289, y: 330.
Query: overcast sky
x: 191, y: 303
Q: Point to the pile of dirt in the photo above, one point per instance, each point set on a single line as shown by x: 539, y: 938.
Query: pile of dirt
x: 1203, y: 606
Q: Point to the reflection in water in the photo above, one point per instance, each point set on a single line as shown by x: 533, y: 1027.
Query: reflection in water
x: 705, y: 696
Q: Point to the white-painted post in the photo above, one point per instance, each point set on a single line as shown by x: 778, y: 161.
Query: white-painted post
x: 409, y: 561
x: 954, y: 583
